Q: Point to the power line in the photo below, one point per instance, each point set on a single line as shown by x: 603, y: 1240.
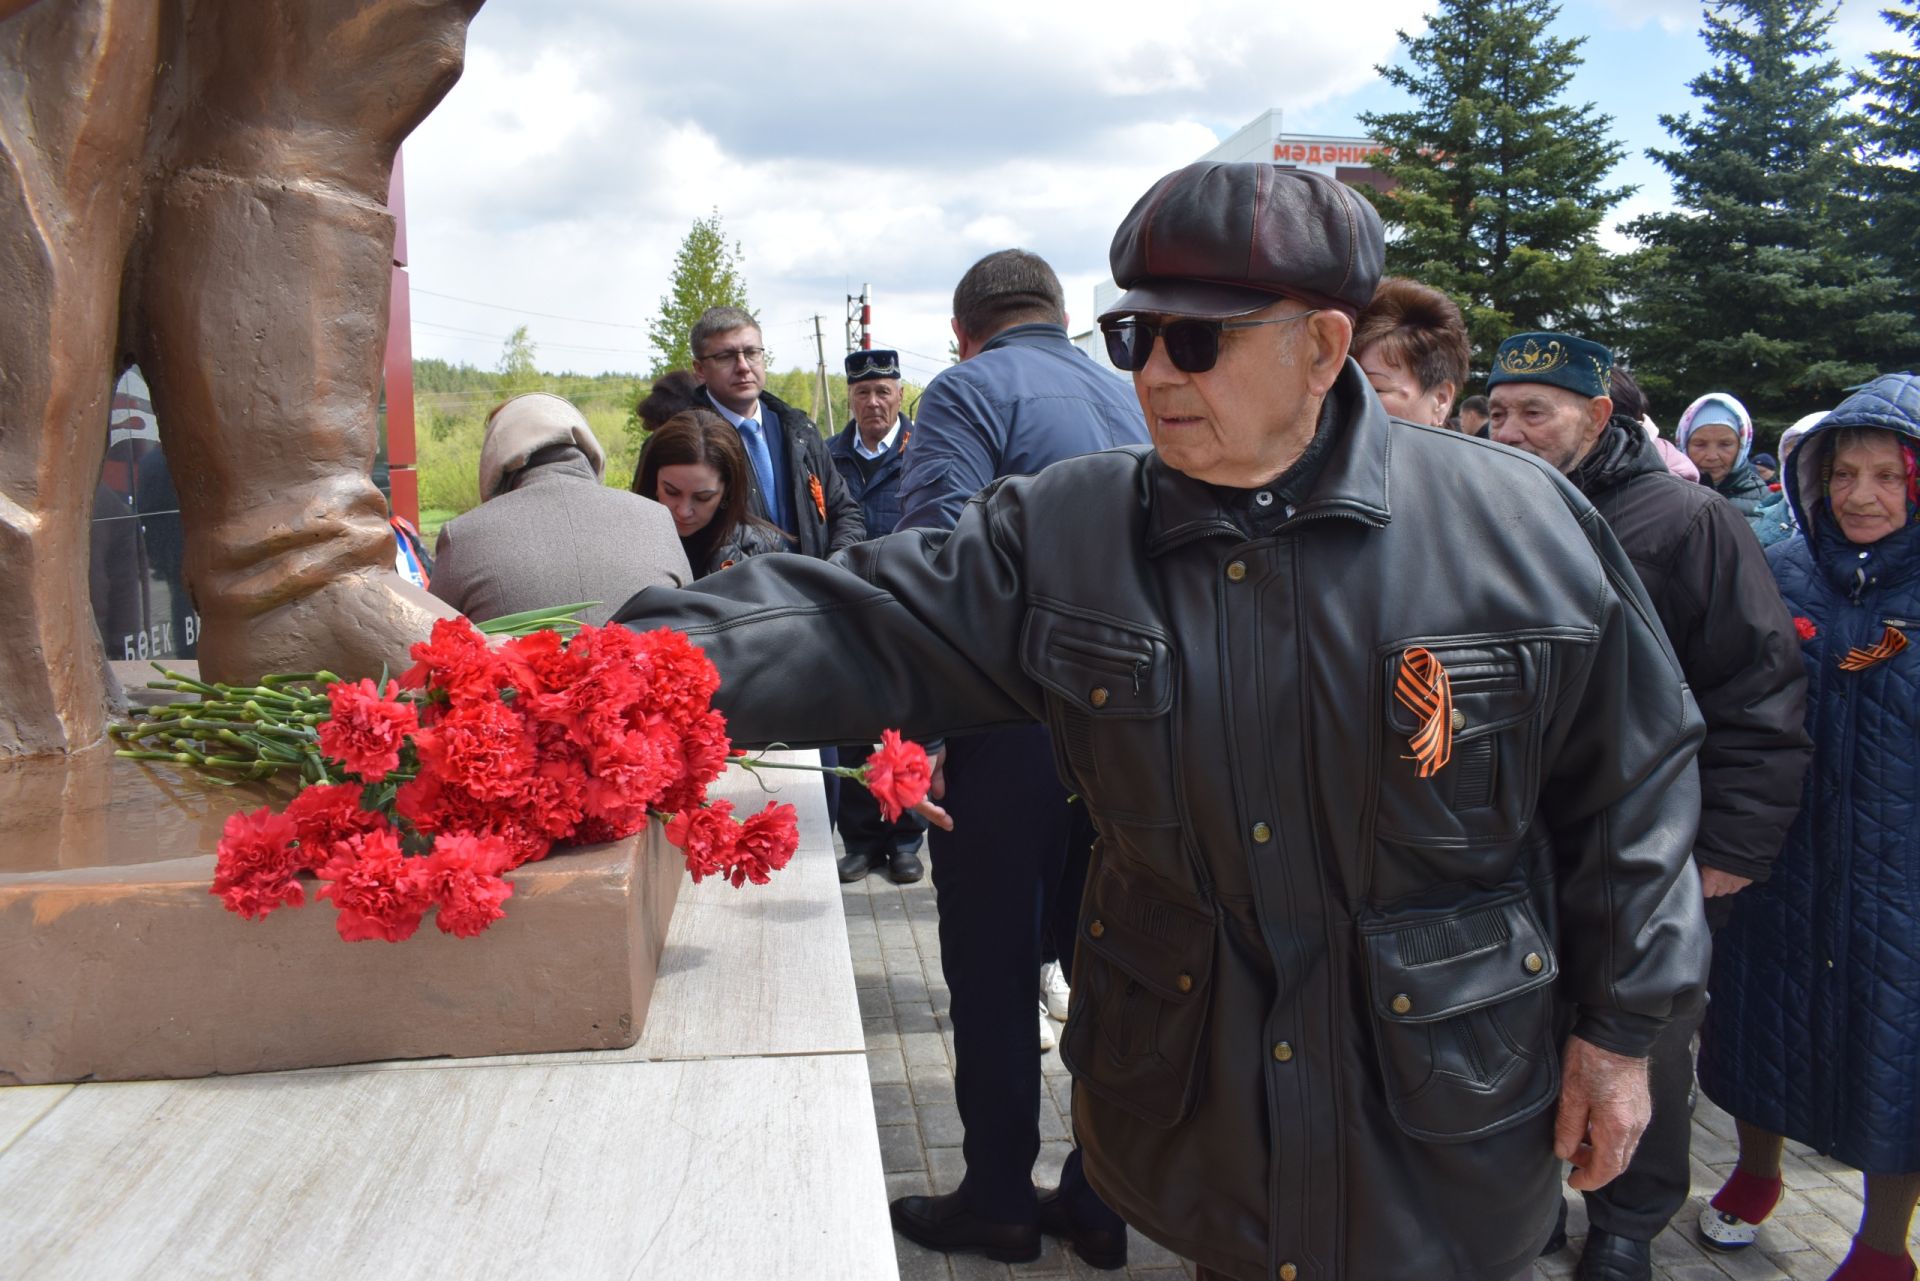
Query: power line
x: 453, y: 331
x: 522, y: 311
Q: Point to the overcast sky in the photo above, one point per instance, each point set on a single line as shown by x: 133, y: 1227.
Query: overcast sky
x: 892, y: 145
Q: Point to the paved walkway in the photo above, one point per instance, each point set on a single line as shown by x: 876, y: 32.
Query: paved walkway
x: 894, y: 935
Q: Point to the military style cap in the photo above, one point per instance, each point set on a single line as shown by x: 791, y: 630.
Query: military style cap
x: 1559, y: 360
x: 1215, y: 240
x: 877, y: 363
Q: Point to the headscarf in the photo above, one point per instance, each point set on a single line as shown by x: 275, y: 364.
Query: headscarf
x: 1792, y: 435
x: 1718, y: 409
x: 522, y: 428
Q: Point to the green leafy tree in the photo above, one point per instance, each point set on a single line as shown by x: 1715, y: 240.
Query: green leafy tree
x: 1754, y: 284
x: 706, y: 273
x: 1892, y: 175
x: 518, y: 372
x: 1498, y: 182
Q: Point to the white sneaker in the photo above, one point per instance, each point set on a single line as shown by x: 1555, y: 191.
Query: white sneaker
x: 1725, y: 1231
x: 1047, y: 1038
x: 1054, y: 990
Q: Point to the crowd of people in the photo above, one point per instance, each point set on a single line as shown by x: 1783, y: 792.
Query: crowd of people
x: 1377, y: 764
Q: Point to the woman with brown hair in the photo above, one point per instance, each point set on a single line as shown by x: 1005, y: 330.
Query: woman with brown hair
x: 695, y: 467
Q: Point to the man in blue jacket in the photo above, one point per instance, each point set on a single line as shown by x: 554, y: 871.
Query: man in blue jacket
x: 870, y: 453
x: 1010, y: 874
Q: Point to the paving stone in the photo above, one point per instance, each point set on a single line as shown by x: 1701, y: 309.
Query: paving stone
x: 873, y: 1002
x: 1142, y: 1253
x: 910, y: 987
x: 946, y: 1167
x: 921, y: 1048
x: 931, y: 1083
x: 1053, y: 1125
x: 919, y: 1264
x: 910, y: 1017
x: 940, y: 1124
x: 886, y: 1067
x: 1052, y: 1261
x: 880, y: 1033
x: 1061, y: 1089
x: 908, y: 1183
x: 893, y: 1105
x: 976, y: 1267
x: 900, y: 1148
x: 870, y: 973
x: 1046, y: 1170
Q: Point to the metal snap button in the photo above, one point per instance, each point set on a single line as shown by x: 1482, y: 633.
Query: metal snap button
x: 1262, y: 833
x: 1096, y: 929
x: 1099, y: 696
x: 1184, y: 982
x: 1402, y: 1003
x: 1282, y: 1051
x: 1533, y: 963
x: 1236, y: 570
x: 1288, y: 1272
x: 1458, y: 720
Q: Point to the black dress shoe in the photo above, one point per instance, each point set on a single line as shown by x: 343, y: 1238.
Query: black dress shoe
x: 1103, y: 1248
x: 854, y: 867
x: 1614, y: 1258
x: 943, y: 1223
x: 904, y: 867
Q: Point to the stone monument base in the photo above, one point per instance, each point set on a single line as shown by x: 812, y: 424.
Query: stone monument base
x: 116, y: 963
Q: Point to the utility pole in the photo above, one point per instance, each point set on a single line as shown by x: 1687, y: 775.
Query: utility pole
x: 826, y: 388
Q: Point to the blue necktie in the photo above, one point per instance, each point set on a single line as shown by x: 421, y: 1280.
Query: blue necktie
x: 762, y: 465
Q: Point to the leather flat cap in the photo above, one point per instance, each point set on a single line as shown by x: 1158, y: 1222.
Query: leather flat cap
x: 1215, y: 240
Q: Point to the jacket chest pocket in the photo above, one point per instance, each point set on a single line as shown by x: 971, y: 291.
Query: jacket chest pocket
x: 1463, y: 1018
x: 1112, y: 685
x: 1485, y: 793
x: 1142, y: 978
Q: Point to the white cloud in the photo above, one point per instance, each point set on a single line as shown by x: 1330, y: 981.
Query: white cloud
x: 842, y: 147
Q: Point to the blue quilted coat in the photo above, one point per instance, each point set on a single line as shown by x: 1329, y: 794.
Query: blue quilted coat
x: 1814, y: 1027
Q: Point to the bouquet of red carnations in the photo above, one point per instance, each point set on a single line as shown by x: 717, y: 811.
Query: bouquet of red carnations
x: 420, y: 794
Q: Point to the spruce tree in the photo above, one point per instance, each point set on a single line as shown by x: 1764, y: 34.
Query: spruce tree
x: 1753, y: 285
x: 1501, y: 182
x: 706, y: 273
x: 1892, y: 175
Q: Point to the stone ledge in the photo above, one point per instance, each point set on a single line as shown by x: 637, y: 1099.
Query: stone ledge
x: 117, y: 964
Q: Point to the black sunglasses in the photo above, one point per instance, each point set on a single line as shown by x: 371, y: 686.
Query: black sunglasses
x: 1192, y: 345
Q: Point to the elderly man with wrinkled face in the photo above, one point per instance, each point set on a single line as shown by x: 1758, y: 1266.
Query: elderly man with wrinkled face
x: 1371, y: 812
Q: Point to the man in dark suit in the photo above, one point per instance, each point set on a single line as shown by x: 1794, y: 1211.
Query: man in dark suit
x: 870, y: 454
x: 795, y: 484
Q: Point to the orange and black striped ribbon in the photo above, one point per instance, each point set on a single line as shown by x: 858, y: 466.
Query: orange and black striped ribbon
x: 1892, y: 641
x: 1422, y: 685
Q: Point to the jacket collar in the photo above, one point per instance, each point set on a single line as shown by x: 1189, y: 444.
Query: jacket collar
x: 1623, y: 452
x: 1352, y: 484
x: 1039, y: 334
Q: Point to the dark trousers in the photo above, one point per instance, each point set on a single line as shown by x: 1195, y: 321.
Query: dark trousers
x: 1008, y: 876
x: 862, y: 829
x: 1653, y: 1187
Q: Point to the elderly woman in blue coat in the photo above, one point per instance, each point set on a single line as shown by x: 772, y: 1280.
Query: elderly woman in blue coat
x: 1813, y: 1033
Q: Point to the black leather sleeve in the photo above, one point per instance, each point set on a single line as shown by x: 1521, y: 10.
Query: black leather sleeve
x: 916, y: 631
x: 1741, y: 657
x: 1622, y: 800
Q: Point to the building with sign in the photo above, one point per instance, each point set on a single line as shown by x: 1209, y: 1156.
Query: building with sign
x: 1345, y: 159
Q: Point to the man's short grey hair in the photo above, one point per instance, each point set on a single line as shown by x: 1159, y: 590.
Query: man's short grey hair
x: 718, y: 320
x: 1011, y: 287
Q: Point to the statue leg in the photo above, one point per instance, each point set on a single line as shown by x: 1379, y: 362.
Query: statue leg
x: 266, y: 315
x: 76, y: 82
x: 265, y: 286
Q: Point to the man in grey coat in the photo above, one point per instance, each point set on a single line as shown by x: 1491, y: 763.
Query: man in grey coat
x: 547, y: 532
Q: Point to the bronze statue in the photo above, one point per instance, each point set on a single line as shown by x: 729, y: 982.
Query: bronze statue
x: 199, y: 186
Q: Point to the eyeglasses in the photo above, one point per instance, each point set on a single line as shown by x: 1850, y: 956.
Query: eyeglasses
x: 752, y: 355
x: 1192, y: 345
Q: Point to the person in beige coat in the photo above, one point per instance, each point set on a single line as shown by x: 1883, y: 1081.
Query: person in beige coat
x: 547, y: 532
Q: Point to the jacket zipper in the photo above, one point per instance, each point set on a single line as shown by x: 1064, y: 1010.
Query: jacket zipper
x: 1131, y: 662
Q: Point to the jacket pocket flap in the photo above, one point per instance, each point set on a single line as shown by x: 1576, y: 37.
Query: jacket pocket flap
x: 1164, y: 947
x: 1102, y: 666
x: 1439, y: 966
x: 1494, y: 685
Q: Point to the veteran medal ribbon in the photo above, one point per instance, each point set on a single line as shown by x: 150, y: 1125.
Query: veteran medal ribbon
x: 1891, y: 642
x: 1422, y: 686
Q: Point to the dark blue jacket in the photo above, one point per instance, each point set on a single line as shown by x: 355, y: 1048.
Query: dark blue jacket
x: 1814, y: 1027
x: 878, y: 496
x: 1025, y: 400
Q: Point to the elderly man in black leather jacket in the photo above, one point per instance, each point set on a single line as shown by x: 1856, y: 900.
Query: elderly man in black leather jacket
x: 1384, y: 744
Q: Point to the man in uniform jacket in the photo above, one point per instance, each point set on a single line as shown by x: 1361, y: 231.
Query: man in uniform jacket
x: 869, y: 453
x: 1709, y: 582
x: 795, y: 484
x: 1388, y: 756
x: 547, y: 531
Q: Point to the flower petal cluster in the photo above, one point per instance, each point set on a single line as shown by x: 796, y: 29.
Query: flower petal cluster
x: 898, y: 774
x: 368, y: 727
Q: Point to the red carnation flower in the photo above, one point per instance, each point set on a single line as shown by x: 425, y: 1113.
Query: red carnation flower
x: 367, y: 727
x: 1805, y: 627
x: 766, y: 843
x: 457, y: 660
x: 707, y: 836
x: 462, y: 878
x: 255, y: 864
x: 480, y: 746
x: 898, y: 774
x: 379, y: 891
x: 326, y: 814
